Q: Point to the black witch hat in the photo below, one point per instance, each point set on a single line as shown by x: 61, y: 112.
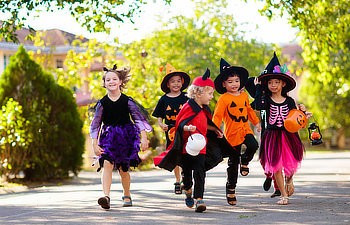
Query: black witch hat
x: 226, y: 70
x: 274, y: 70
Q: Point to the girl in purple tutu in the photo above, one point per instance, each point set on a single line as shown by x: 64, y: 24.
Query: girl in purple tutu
x: 281, y: 151
x: 119, y: 138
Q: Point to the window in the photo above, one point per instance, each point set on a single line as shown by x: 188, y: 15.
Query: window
x: 59, y: 63
x: 6, y: 60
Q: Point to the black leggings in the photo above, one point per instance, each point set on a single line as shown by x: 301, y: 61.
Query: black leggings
x: 232, y: 169
x: 195, y: 164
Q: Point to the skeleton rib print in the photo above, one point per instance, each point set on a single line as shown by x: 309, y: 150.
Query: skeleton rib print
x: 278, y: 114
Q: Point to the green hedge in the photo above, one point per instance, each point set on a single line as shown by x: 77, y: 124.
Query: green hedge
x: 54, y: 130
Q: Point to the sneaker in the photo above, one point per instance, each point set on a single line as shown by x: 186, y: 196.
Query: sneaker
x: 189, y: 200
x: 267, y: 184
x: 104, y: 202
x: 200, y: 206
x: 277, y: 193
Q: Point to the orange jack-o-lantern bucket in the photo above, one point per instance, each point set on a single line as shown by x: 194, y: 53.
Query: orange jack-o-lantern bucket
x: 295, y: 120
x: 171, y: 134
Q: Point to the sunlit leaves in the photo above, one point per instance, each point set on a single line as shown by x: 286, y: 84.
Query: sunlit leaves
x: 95, y: 16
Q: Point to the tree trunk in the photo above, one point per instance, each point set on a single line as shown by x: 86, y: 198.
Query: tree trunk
x: 341, y: 137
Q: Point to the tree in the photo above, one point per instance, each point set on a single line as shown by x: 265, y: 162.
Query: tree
x: 324, y: 28
x: 94, y: 15
x: 56, y: 141
x: 192, y: 45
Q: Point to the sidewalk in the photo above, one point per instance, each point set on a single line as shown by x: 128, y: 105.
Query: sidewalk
x: 322, y: 196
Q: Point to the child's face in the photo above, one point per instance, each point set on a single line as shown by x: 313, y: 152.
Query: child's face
x: 175, y: 83
x: 275, y: 85
x: 206, y: 96
x: 232, y: 84
x: 112, y: 81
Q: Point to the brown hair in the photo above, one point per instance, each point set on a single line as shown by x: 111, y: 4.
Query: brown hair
x: 123, y: 74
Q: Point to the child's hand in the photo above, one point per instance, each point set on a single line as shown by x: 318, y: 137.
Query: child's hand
x: 302, y: 107
x: 258, y: 127
x: 164, y: 126
x: 144, y: 144
x: 97, y: 150
x: 191, y: 128
x: 308, y: 115
x: 219, y: 133
x: 257, y: 81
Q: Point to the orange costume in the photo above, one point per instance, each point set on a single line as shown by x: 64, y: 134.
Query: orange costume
x: 235, y: 111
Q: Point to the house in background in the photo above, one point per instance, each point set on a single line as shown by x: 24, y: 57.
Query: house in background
x: 60, y: 42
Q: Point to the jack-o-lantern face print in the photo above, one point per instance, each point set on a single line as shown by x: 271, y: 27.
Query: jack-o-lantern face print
x: 171, y: 113
x: 236, y: 113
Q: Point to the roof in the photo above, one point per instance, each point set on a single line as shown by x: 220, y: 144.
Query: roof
x: 56, y: 37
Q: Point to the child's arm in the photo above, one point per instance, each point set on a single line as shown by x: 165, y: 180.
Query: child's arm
x: 144, y: 141
x: 95, y: 127
x: 97, y: 150
x: 252, y: 116
x: 219, y: 112
x: 217, y: 131
x: 260, y: 102
x: 161, y: 124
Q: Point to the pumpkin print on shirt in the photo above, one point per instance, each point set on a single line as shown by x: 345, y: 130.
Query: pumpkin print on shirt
x: 168, y: 108
x: 235, y: 111
x: 238, y: 113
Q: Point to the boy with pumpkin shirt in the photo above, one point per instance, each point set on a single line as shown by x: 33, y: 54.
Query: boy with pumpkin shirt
x: 234, y: 110
x: 168, y: 107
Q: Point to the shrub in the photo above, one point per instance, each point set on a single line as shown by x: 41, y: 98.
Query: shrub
x: 55, y: 127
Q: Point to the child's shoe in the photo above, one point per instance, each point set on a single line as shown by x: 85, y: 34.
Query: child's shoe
x: 277, y: 193
x: 178, y: 188
x: 267, y: 184
x: 126, y: 203
x: 200, y: 206
x: 189, y: 200
x: 104, y: 202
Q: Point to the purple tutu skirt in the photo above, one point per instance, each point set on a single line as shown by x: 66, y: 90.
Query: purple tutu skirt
x: 121, y: 145
x: 281, y: 150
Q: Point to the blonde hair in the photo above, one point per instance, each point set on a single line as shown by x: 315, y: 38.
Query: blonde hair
x: 123, y: 74
x: 193, y: 91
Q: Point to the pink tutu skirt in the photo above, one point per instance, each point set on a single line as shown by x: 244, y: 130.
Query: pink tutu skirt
x: 281, y: 150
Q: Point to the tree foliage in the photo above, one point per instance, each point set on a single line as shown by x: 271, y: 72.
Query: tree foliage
x: 325, y: 32
x: 56, y: 140
x: 14, y: 139
x: 94, y: 15
x: 192, y: 45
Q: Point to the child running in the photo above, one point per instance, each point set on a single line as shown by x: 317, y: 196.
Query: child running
x: 281, y: 151
x: 119, y: 139
x: 198, y: 145
x: 234, y: 110
x: 251, y: 88
x: 169, y: 105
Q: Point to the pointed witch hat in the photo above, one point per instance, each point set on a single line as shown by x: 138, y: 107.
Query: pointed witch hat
x: 274, y: 70
x: 226, y: 70
x: 170, y: 72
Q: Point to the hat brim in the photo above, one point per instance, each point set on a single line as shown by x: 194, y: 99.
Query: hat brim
x: 240, y: 71
x: 186, y: 80
x: 290, y: 82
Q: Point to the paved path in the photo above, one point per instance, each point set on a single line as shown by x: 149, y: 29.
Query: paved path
x: 322, y: 196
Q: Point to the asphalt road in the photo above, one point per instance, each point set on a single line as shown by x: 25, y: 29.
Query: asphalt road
x: 322, y: 196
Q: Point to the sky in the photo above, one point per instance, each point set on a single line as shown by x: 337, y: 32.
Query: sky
x: 245, y: 14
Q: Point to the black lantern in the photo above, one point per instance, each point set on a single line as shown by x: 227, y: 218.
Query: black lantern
x: 315, y: 135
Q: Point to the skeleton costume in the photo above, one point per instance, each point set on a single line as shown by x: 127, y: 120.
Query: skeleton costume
x: 279, y: 148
